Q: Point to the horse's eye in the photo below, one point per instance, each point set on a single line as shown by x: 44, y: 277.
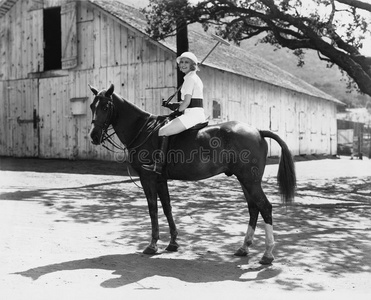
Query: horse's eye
x: 105, y: 107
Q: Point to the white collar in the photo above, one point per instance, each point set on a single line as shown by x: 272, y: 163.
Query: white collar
x: 189, y: 73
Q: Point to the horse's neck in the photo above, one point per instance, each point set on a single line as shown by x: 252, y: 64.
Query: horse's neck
x: 129, y: 119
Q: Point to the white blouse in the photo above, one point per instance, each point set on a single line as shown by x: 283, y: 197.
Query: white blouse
x: 192, y: 85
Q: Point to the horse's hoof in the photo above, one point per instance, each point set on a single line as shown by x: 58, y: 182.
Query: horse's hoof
x: 150, y: 250
x: 241, y: 252
x: 173, y: 247
x: 266, y: 260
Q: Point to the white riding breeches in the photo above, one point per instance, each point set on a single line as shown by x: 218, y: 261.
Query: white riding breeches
x: 192, y: 116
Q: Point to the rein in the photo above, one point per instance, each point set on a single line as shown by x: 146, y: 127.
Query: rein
x: 108, y: 137
x: 139, y: 132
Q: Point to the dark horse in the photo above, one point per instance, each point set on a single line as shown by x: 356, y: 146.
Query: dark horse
x: 232, y: 148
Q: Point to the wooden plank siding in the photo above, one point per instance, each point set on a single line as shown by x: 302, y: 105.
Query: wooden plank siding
x: 18, y: 137
x: 265, y: 106
x: 21, y: 36
x: 108, y: 51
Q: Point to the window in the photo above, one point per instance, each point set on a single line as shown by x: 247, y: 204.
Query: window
x: 52, y: 39
x: 216, y: 110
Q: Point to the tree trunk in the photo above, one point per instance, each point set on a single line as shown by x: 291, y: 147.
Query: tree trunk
x: 181, y: 46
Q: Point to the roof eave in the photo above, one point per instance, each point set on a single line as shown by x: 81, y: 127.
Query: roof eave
x: 5, y: 6
x: 132, y: 28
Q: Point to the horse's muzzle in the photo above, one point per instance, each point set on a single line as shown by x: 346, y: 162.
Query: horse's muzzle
x: 96, y: 136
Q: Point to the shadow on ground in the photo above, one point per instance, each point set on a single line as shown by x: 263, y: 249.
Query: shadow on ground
x: 64, y: 166
x: 130, y: 268
x: 327, y: 227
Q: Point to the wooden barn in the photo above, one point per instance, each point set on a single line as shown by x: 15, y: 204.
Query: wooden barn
x: 51, y: 49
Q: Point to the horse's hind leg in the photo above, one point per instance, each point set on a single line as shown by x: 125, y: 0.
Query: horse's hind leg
x: 258, y: 197
x: 163, y: 193
x: 254, y: 214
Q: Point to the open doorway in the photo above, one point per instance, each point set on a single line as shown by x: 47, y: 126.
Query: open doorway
x: 52, y: 39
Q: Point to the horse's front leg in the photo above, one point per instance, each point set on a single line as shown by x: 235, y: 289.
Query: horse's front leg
x: 149, y: 187
x: 163, y: 192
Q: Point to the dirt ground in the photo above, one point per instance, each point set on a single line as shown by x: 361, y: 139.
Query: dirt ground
x: 76, y: 230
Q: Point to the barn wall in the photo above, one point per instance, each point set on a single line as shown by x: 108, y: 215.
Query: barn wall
x: 107, y: 52
x: 102, y: 51
x: 306, y: 123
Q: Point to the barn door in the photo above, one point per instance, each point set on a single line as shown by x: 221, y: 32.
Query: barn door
x: 303, y: 140
x: 290, y: 126
x: 274, y: 121
x: 69, y: 35
x: 333, y: 139
x: 21, y: 134
x: 256, y: 118
x: 55, y: 115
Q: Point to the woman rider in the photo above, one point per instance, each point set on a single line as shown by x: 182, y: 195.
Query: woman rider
x: 191, y: 106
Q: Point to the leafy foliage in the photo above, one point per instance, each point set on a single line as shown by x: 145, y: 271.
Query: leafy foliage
x: 334, y: 28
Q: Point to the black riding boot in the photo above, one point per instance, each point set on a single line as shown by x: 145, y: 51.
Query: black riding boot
x: 160, y: 158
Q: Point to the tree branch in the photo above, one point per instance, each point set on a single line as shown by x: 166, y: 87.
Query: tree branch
x: 356, y: 4
x: 239, y: 20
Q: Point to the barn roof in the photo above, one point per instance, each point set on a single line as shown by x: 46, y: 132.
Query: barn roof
x: 5, y: 5
x: 232, y: 59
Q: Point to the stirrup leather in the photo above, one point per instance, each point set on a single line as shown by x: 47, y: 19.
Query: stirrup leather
x: 159, y: 162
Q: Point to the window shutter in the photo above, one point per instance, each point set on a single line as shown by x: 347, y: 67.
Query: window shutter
x: 69, y: 35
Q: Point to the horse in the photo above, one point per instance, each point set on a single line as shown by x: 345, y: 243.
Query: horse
x: 233, y: 148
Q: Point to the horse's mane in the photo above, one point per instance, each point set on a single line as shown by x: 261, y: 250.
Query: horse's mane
x: 136, y: 109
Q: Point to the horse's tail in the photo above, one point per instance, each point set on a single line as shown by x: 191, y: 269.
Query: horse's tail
x: 286, y: 176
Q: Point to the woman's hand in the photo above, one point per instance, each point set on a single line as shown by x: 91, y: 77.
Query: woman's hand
x: 173, y: 106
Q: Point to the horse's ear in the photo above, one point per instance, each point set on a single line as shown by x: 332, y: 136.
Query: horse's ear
x: 110, y: 90
x: 93, y: 89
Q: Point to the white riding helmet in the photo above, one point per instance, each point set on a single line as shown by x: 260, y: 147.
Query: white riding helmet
x: 189, y: 55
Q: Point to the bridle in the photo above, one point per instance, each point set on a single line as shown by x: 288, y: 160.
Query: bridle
x: 110, y: 107
x: 105, y: 126
x: 107, y: 122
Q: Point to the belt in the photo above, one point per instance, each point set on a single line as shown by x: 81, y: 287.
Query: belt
x: 195, y: 102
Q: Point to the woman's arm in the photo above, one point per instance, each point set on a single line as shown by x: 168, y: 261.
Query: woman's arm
x: 185, y: 103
